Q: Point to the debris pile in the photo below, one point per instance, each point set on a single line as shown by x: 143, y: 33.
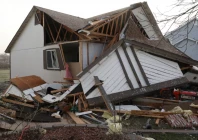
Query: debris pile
x: 30, y: 99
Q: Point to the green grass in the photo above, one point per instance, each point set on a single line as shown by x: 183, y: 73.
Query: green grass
x: 4, y: 75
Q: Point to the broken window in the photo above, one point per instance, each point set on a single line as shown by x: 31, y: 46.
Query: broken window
x: 52, y: 59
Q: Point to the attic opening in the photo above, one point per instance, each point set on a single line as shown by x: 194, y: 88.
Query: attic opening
x: 71, y: 52
x: 54, y: 32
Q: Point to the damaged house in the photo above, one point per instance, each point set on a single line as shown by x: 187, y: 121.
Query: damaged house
x: 118, y: 55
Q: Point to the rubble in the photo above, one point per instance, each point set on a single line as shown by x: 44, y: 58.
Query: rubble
x: 136, y: 75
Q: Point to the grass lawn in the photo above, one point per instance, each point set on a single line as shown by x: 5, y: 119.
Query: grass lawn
x: 4, y: 75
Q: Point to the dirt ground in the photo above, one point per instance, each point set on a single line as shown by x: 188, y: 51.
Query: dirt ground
x: 139, y: 122
x: 65, y: 133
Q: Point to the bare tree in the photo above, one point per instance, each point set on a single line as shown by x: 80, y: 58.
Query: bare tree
x: 181, y: 15
x: 4, y: 61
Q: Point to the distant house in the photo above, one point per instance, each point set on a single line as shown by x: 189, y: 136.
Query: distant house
x: 124, y: 48
x: 185, y: 38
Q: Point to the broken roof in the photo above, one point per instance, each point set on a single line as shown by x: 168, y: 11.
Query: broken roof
x: 133, y: 33
x: 70, y: 21
x: 76, y: 23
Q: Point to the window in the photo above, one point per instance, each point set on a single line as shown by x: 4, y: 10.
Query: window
x: 52, y: 59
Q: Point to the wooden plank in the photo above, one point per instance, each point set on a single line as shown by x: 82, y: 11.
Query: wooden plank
x: 56, y: 29
x: 64, y: 37
x: 124, y: 70
x: 121, y: 22
x: 50, y: 30
x: 84, y: 120
x: 112, y: 24
x: 23, y: 104
x: 62, y: 54
x: 38, y: 98
x: 59, y: 90
x: 115, y: 31
x: 131, y: 65
x: 104, y: 95
x: 107, y: 28
x: 76, y: 119
x: 100, y: 34
x: 74, y: 94
x: 58, y: 33
x: 140, y: 66
x: 8, y: 112
x: 116, y: 16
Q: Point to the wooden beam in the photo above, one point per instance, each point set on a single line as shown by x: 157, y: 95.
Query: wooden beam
x: 116, y: 16
x: 65, y: 35
x: 107, y: 28
x: 115, y: 31
x: 113, y: 41
x: 58, y: 90
x: 100, y: 34
x: 124, y: 70
x: 121, y: 22
x: 58, y: 33
x: 75, y: 94
x: 140, y: 66
x: 129, y: 94
x: 8, y: 112
x: 76, y: 119
x: 70, y: 30
x: 104, y: 95
x: 102, y: 29
x: 126, y: 16
x: 56, y: 29
x: 62, y: 54
x: 131, y: 65
x: 23, y: 104
x: 50, y: 30
x: 112, y: 27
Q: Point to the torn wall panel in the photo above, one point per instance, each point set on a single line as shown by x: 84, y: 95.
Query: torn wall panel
x: 118, y: 68
x: 158, y: 69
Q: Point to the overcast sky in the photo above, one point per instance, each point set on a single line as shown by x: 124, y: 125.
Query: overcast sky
x: 13, y: 12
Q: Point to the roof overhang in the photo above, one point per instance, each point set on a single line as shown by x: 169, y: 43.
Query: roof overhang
x: 163, y: 53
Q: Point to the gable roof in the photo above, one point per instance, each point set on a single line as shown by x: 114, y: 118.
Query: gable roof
x: 70, y: 21
x: 133, y: 33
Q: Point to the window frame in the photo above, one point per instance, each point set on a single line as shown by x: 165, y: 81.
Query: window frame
x: 51, y: 68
